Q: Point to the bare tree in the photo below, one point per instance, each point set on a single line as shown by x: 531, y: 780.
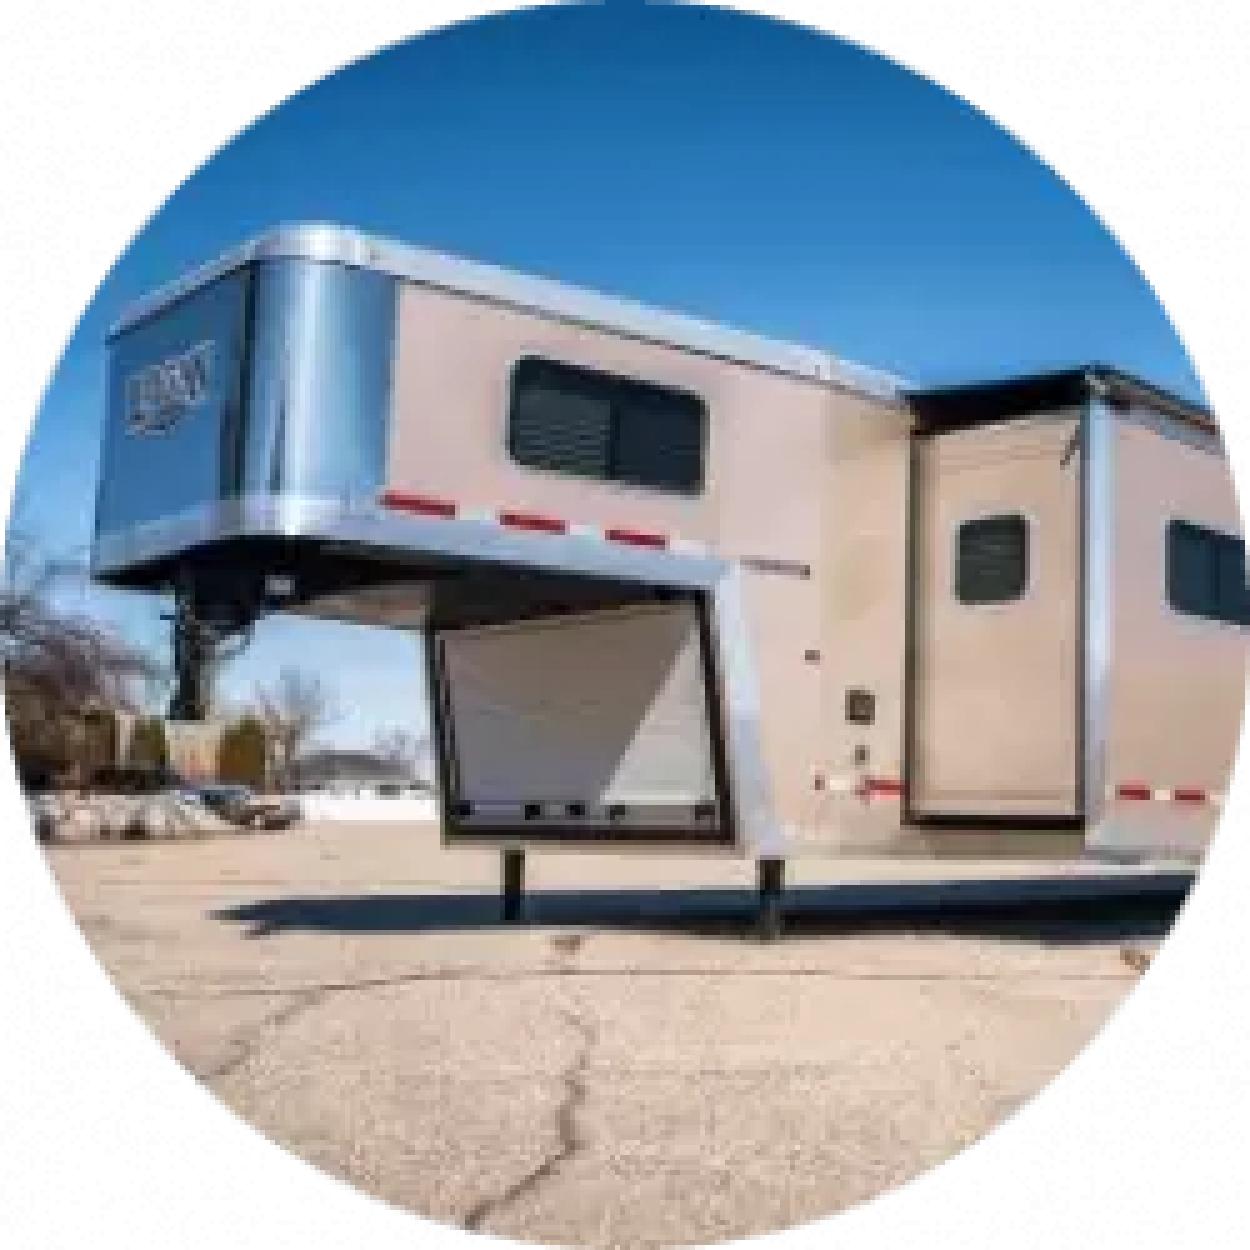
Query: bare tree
x: 292, y: 710
x: 58, y: 665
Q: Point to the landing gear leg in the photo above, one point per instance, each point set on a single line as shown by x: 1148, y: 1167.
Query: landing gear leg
x: 208, y: 614
x: 512, y: 867
x: 195, y: 647
x: 772, y: 878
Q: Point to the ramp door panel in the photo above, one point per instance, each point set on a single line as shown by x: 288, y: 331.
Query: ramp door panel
x: 594, y: 719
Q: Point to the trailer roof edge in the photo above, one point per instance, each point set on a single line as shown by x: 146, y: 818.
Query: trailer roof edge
x: 336, y: 244
x: 1042, y: 392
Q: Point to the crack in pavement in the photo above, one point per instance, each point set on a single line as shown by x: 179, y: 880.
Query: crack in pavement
x: 568, y: 1140
x: 244, y: 1046
x: 304, y: 998
x: 511, y: 975
x: 573, y: 1083
x: 572, y: 1080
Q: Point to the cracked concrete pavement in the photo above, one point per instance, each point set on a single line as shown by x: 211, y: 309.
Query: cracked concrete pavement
x: 628, y: 1067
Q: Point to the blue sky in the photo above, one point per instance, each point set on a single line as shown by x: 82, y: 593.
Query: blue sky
x: 724, y: 165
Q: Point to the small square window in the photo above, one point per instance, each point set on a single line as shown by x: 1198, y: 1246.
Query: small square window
x: 1206, y: 573
x: 992, y: 559
x: 861, y: 706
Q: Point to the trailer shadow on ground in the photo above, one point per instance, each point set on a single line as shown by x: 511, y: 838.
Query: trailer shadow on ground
x: 1066, y: 911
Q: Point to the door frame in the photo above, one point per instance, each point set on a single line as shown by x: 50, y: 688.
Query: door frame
x: 1092, y: 443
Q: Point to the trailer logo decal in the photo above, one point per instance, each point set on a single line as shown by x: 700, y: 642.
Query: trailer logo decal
x: 160, y: 395
x: 783, y: 568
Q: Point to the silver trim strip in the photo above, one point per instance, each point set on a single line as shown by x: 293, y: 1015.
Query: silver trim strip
x: 1099, y: 504
x: 758, y: 829
x: 368, y: 523
x: 334, y: 244
x: 1188, y: 433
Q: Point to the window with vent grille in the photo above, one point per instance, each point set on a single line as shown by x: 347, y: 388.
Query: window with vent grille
x: 1206, y: 573
x: 992, y: 559
x: 598, y: 425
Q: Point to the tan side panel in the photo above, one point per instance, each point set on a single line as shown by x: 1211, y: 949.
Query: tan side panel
x: 454, y: 360
x: 996, y: 685
x: 865, y: 591
x: 765, y: 481
x: 784, y: 618
x: 773, y: 470
x: 1177, y: 682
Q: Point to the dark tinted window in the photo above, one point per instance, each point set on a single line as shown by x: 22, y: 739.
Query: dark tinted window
x: 992, y: 559
x: 1206, y: 573
x: 597, y: 425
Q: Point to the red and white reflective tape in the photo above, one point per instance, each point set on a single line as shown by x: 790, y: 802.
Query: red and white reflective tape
x: 868, y: 788
x: 1140, y: 792
x: 879, y: 788
x: 863, y: 788
x: 539, y: 523
x: 534, y: 522
x: 420, y: 505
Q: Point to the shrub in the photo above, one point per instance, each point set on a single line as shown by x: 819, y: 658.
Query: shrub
x: 242, y: 753
x: 149, y: 748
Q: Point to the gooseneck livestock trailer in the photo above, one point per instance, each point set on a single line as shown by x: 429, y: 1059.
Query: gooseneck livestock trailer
x: 683, y: 586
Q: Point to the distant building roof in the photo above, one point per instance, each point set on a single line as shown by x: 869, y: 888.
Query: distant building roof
x: 345, y: 766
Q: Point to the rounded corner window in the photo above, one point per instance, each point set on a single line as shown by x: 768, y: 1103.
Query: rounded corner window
x: 570, y: 419
x: 1205, y: 573
x: 992, y: 559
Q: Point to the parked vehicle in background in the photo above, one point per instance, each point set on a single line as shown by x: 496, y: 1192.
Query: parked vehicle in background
x: 241, y: 805
x: 133, y: 779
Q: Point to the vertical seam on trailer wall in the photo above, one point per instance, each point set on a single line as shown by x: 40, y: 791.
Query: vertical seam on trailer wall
x: 233, y: 434
x: 382, y: 470
x: 1098, y: 602
x: 1085, y: 447
x: 910, y: 525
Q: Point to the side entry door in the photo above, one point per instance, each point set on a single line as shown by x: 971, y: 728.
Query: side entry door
x: 996, y: 622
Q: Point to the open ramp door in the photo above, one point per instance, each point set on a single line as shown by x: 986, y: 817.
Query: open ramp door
x: 594, y: 724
